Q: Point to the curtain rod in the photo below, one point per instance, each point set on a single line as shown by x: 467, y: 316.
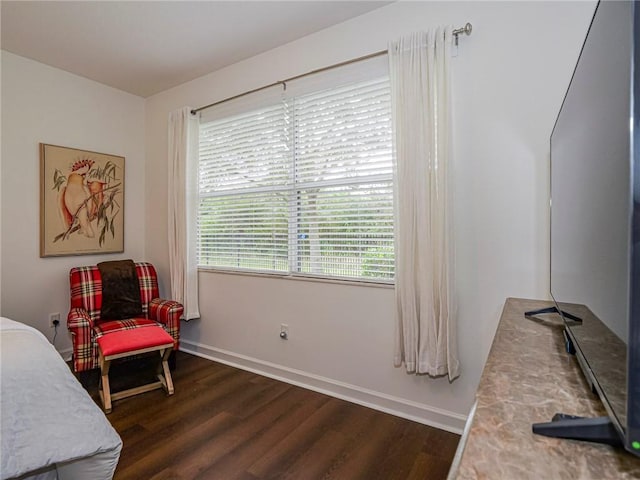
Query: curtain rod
x: 458, y: 31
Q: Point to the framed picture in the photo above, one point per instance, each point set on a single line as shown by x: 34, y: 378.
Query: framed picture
x: 81, y: 202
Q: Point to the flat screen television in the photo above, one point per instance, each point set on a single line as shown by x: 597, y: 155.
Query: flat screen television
x: 595, y: 225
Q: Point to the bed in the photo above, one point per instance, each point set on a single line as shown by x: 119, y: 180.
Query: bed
x: 50, y: 428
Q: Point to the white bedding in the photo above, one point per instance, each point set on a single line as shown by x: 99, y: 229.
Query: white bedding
x: 49, y: 425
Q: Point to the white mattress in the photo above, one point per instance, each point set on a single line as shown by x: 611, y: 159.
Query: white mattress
x: 49, y: 425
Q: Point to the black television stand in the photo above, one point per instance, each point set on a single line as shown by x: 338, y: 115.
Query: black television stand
x: 597, y: 429
x: 542, y: 311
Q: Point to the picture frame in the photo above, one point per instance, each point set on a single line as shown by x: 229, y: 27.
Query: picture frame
x: 81, y: 202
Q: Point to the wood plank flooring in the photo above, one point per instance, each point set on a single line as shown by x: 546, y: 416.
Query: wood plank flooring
x: 224, y: 423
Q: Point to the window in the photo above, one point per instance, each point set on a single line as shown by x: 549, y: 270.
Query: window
x: 301, y: 186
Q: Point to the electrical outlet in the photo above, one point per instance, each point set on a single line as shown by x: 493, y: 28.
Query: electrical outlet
x: 54, y: 319
x: 284, y: 331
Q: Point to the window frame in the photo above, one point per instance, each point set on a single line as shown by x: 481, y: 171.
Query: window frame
x: 294, y: 189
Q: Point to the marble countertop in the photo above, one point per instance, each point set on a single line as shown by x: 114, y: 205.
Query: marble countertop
x: 527, y: 379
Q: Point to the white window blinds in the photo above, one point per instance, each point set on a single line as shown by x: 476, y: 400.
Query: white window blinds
x: 301, y: 186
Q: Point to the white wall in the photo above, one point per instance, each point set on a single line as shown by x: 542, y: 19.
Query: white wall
x: 509, y: 80
x: 44, y: 104
x: 1, y: 174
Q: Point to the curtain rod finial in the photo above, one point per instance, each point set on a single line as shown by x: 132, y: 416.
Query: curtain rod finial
x: 466, y: 30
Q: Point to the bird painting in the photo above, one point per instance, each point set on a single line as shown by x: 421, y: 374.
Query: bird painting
x: 82, y: 201
x: 74, y: 198
x: 87, y: 198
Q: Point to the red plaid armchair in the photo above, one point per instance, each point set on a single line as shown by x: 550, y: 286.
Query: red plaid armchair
x: 86, y: 325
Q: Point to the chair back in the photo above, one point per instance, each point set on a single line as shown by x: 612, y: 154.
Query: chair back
x: 86, y: 288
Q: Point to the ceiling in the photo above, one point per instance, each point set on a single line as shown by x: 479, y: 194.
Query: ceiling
x: 145, y: 47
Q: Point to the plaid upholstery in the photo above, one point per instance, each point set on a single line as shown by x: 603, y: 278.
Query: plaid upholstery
x: 86, y: 325
x: 111, y: 326
x: 168, y: 313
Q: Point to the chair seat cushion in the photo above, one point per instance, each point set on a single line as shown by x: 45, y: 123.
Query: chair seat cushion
x: 133, y: 340
x: 103, y: 327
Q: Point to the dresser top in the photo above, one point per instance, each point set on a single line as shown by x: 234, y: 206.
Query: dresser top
x: 527, y: 379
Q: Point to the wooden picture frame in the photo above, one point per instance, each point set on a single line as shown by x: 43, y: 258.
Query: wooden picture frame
x: 81, y: 202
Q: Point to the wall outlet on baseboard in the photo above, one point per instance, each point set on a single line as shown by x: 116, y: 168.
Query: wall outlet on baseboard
x: 54, y: 319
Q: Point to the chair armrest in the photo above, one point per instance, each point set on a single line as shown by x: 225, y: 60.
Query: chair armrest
x: 78, y: 319
x: 167, y: 312
x: 80, y: 325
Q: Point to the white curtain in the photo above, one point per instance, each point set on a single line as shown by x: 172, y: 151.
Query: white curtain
x: 183, y: 204
x: 421, y: 99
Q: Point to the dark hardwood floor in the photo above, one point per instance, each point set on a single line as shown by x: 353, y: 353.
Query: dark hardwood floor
x: 225, y: 423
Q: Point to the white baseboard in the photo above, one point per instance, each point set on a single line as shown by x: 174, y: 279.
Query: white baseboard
x: 66, y: 354
x: 417, y: 412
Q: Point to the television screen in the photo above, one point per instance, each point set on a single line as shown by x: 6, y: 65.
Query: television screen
x: 592, y: 209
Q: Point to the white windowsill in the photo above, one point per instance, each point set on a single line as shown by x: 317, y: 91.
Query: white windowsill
x: 304, y: 278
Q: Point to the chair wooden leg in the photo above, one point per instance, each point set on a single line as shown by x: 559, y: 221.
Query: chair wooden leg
x: 173, y: 362
x: 164, y: 372
x: 105, y: 390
